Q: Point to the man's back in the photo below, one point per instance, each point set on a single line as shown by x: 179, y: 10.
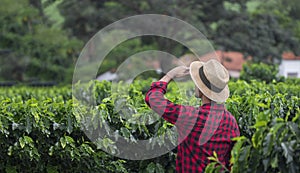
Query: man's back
x: 202, y: 130
x: 211, y: 132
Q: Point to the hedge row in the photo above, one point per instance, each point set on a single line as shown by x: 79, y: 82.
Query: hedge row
x: 44, y: 136
x: 44, y: 130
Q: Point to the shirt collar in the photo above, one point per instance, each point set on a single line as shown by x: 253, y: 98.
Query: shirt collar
x: 213, y: 105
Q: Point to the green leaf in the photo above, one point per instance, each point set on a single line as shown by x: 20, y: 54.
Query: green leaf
x: 260, y: 124
x: 22, y: 142
x: 215, y: 154
x: 288, y: 152
x: 36, y: 116
x: 69, y: 124
x: 210, y: 167
x: 244, y: 155
x: 235, y: 152
x: 63, y: 142
x: 9, y: 150
x: 212, y: 158
x: 262, y: 105
x: 69, y: 140
x: 125, y: 132
x: 297, y: 115
x: 294, y: 129
x: 107, y: 142
x: 268, y: 144
x: 266, y: 163
x: 50, y: 152
x: 276, y: 127
x: 159, y: 168
x: 28, y: 127
x: 151, y: 168
x: 257, y: 138
x: 28, y: 139
x: 274, y: 161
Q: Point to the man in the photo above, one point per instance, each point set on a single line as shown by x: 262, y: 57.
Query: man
x: 202, y: 130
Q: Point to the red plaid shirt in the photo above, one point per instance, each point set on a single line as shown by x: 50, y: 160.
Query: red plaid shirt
x: 202, y: 130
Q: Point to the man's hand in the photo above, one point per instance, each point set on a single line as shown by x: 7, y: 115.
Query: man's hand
x: 179, y: 71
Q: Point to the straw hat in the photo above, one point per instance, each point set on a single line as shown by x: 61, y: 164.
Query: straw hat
x: 211, y: 78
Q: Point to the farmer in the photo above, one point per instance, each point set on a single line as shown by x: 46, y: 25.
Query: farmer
x: 202, y: 130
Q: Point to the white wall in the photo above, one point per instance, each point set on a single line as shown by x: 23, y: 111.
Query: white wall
x: 234, y: 74
x: 289, y: 66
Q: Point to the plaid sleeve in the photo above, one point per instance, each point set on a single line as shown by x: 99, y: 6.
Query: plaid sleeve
x: 156, y: 101
x: 235, y: 132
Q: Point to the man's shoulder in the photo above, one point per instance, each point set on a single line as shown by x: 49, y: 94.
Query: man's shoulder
x: 230, y: 119
x: 229, y: 116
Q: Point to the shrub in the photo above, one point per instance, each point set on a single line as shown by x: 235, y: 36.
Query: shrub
x: 41, y: 129
x: 260, y: 72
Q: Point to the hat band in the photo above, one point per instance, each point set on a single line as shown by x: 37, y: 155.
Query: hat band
x: 207, y: 83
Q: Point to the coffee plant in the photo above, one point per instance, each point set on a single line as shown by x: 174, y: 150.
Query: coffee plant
x: 54, y: 130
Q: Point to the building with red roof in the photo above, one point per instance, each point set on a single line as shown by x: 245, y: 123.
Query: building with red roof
x: 290, y: 65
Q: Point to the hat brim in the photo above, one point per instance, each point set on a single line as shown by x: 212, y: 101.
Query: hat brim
x: 216, y: 97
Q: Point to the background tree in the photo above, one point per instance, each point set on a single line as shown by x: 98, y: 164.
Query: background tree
x: 33, y: 50
x: 86, y: 18
x: 287, y: 12
x: 35, y: 43
x: 231, y: 25
x: 254, y: 33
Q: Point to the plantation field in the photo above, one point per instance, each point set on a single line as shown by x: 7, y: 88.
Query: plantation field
x: 46, y: 130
